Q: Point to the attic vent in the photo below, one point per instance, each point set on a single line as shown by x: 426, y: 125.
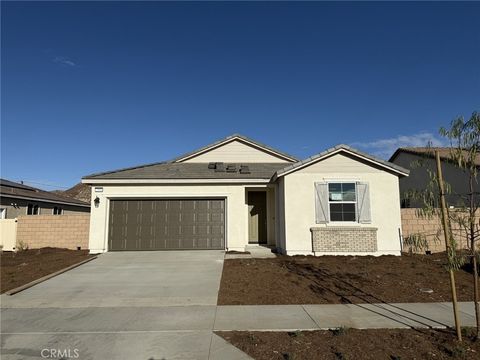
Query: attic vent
x: 244, y: 169
x: 231, y: 168
x: 219, y: 167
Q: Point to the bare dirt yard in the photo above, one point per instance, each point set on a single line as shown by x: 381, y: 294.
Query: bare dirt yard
x: 20, y: 268
x: 339, y: 280
x: 341, y: 344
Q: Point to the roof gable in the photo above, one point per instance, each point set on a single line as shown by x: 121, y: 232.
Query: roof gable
x: 236, y: 149
x: 387, y: 166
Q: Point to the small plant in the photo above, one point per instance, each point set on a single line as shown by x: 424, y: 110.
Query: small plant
x: 416, y: 242
x: 295, y: 333
x: 469, y: 332
x: 252, y: 338
x: 22, y: 246
x: 458, y: 352
x: 342, y: 330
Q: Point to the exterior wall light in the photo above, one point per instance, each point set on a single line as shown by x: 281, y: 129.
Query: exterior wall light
x: 96, y: 201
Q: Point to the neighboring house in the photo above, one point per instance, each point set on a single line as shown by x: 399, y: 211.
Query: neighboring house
x: 420, y: 160
x: 236, y: 192
x: 18, y: 199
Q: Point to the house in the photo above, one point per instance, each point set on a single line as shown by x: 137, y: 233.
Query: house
x: 237, y: 192
x: 421, y: 160
x: 19, y: 199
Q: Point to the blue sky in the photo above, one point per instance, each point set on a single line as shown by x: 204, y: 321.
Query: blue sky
x: 90, y: 87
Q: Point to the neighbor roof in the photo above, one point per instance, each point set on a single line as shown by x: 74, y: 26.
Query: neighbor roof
x: 15, y: 190
x: 339, y: 148
x: 428, y: 152
x: 172, y: 170
x: 80, y: 191
x: 233, y: 138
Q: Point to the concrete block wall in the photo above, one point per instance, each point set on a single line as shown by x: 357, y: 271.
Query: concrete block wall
x: 412, y: 223
x: 344, y: 239
x: 61, y: 231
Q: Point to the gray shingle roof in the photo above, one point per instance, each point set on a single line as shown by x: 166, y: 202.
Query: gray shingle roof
x: 394, y: 167
x: 171, y: 170
x: 15, y: 190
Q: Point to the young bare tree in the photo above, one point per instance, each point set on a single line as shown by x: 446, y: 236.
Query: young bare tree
x: 464, y: 139
x: 433, y: 204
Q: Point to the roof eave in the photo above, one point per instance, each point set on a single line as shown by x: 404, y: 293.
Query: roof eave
x: 99, y: 181
x: 33, y: 198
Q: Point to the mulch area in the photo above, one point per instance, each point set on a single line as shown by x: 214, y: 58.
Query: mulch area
x: 340, y: 280
x: 20, y: 268
x: 355, y: 344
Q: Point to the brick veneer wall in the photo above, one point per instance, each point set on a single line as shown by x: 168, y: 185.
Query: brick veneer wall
x: 414, y: 224
x: 62, y: 231
x: 344, y: 239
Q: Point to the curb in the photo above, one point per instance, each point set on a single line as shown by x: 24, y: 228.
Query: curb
x: 46, y: 277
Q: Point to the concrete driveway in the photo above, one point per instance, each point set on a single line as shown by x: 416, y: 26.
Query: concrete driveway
x: 124, y: 305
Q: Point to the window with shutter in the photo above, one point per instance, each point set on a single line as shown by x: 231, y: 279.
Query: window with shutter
x: 342, y: 202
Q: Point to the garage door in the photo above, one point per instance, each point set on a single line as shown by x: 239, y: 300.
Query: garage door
x: 167, y: 224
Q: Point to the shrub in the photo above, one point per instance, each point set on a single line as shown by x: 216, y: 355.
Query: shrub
x: 21, y: 246
x: 342, y: 330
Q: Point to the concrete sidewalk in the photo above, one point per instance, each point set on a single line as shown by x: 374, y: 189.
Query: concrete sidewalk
x: 251, y: 317
x: 186, y: 331
x: 360, y: 316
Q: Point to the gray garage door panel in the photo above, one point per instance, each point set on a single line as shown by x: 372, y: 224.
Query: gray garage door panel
x: 167, y: 224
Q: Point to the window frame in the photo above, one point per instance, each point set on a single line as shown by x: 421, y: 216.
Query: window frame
x: 339, y: 222
x: 33, y: 208
x: 59, y: 210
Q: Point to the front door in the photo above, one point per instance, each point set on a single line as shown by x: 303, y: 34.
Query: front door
x: 257, y: 220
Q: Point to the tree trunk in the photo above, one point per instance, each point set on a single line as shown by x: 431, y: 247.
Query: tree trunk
x: 447, y: 234
x: 474, y: 255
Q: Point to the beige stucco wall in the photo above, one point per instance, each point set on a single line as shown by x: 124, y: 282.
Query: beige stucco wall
x: 236, y: 206
x: 299, y: 192
x: 236, y: 152
x: 66, y: 231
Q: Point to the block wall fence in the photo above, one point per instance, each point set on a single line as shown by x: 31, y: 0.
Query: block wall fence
x: 412, y: 223
x: 61, y: 231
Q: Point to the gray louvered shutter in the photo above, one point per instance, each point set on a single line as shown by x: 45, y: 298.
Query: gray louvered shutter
x: 363, y: 203
x: 321, y: 203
